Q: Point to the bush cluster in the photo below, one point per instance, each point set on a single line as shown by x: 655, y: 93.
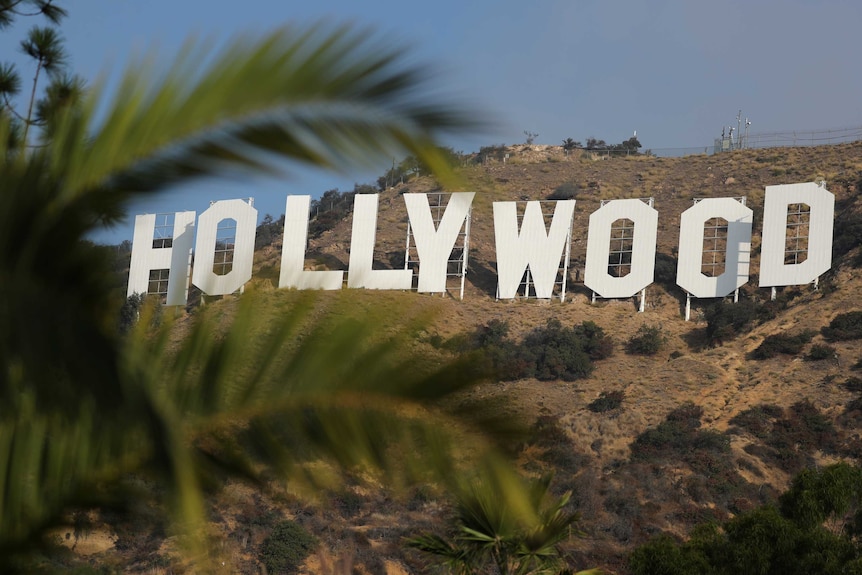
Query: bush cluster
x: 756, y: 420
x: 782, y: 343
x: 853, y: 384
x: 790, y: 437
x: 678, y: 437
x: 565, y: 191
x: 726, y: 320
x: 665, y: 271
x: 820, y: 351
x: 848, y: 232
x: 679, y: 440
x: 844, y: 327
x: 494, y: 152
x: 558, y: 450
x: 648, y: 340
x: 546, y: 353
x: 607, y: 401
x: 286, y: 548
x: 791, y: 539
x: 268, y: 231
x: 630, y: 146
x: 332, y: 207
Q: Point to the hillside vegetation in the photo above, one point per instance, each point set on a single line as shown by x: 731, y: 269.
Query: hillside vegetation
x: 661, y: 425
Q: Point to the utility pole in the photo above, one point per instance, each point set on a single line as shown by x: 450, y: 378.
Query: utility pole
x: 747, y: 124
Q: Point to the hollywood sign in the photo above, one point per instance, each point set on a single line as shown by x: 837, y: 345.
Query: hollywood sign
x: 531, y: 246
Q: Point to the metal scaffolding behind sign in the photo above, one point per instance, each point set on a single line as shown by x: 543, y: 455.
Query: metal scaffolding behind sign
x: 457, y: 263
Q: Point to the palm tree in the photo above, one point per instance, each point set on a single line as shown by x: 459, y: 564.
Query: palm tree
x: 82, y: 409
x: 490, y: 538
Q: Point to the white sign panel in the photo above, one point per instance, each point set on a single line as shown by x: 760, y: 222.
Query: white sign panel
x: 243, y: 249
x: 528, y: 246
x: 177, y: 259
x: 293, y: 274
x: 736, y: 256
x: 360, y: 272
x: 773, y: 270
x: 532, y: 246
x: 434, y: 246
x: 596, y: 276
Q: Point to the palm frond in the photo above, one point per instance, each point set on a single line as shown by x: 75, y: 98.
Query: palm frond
x: 254, y: 397
x: 331, y: 98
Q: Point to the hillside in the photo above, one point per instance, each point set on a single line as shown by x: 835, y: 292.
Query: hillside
x: 739, y: 428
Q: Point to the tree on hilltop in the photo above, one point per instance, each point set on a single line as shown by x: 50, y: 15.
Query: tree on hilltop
x: 44, y: 46
x: 570, y: 144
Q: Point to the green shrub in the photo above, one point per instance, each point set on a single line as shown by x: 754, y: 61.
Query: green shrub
x: 843, y: 327
x: 648, y: 340
x: 571, y: 144
x: 558, y: 449
x: 559, y: 352
x: 595, y: 342
x: 726, y: 320
x: 820, y: 351
x: 782, y: 343
x: 679, y: 440
x: 665, y: 270
x: 327, y: 211
x: 848, y: 232
x: 679, y: 436
x: 853, y: 405
x: 566, y: 191
x: 794, y: 539
x: 790, y: 437
x: 268, y: 231
x: 131, y: 311
x: 607, y: 401
x: 286, y: 548
x: 494, y: 152
x: 549, y: 352
x: 756, y: 420
x: 853, y: 384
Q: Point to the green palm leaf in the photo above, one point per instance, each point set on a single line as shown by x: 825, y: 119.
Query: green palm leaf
x: 326, y: 97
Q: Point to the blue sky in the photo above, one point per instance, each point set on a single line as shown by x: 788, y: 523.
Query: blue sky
x: 674, y: 70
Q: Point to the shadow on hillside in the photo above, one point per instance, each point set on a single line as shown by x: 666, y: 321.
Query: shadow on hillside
x: 396, y: 260
x: 328, y: 260
x: 578, y: 287
x: 483, y: 278
x: 696, y: 339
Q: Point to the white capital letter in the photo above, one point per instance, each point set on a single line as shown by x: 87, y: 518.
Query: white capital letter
x: 360, y: 273
x: 773, y: 270
x: 293, y: 251
x: 243, y: 248
x: 596, y: 276
x: 737, y: 253
x: 435, y: 246
x: 532, y: 246
x: 177, y: 258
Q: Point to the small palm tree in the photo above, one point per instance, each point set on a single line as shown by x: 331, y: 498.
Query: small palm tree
x: 490, y: 538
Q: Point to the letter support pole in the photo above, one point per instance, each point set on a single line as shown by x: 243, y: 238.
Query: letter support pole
x: 687, y: 306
